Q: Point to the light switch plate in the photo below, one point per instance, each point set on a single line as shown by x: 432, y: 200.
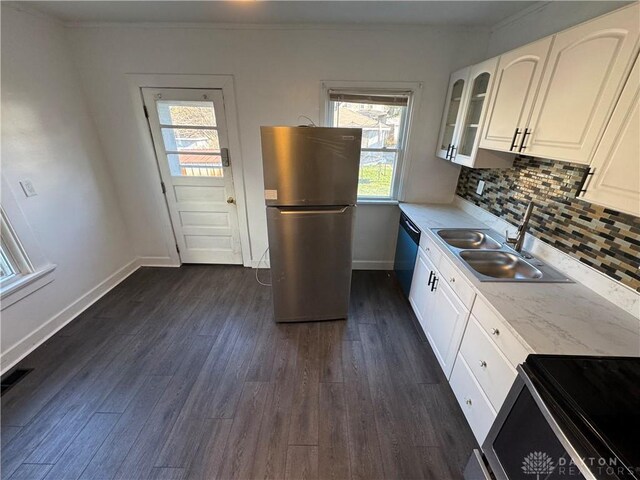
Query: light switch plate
x: 28, y: 188
x: 480, y: 188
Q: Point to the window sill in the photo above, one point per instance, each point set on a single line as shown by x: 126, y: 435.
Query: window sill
x: 26, y: 285
x: 373, y: 201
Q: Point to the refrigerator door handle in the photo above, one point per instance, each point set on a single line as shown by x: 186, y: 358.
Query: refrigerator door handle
x: 309, y: 212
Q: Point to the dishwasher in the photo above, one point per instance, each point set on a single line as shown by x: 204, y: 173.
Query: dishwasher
x: 406, y: 252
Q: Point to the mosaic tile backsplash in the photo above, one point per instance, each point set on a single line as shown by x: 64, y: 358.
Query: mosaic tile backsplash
x: 605, y: 239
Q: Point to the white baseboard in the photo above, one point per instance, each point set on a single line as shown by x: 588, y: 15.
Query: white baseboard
x: 372, y: 265
x: 263, y: 264
x: 156, y: 262
x: 24, y: 347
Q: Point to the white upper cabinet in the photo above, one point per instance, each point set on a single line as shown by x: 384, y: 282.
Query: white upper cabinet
x: 615, y: 182
x: 452, y: 115
x: 474, y: 109
x: 586, y: 70
x: 514, y: 93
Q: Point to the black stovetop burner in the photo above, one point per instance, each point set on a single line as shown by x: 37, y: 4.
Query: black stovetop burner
x: 598, y: 399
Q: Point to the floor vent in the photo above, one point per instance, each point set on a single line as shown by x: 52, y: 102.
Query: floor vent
x: 11, y: 379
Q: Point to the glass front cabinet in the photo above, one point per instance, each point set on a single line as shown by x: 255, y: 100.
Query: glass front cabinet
x: 464, y: 114
x: 452, y: 115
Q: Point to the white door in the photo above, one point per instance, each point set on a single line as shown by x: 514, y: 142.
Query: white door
x: 452, y: 113
x: 585, y: 72
x: 516, y: 84
x: 616, y: 164
x: 190, y: 138
x: 445, y: 325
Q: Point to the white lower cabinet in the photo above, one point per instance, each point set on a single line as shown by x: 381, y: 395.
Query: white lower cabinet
x: 474, y: 346
x: 441, y: 300
x: 476, y: 407
x: 420, y: 294
x: 490, y: 367
x: 495, y: 328
x: 445, y: 324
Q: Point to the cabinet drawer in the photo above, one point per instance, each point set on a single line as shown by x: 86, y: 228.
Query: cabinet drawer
x: 475, y: 406
x: 450, y: 275
x: 429, y: 247
x: 494, y: 326
x: 490, y: 367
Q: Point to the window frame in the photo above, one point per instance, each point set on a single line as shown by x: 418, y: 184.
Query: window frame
x: 33, y: 270
x: 401, y: 166
x: 13, y: 253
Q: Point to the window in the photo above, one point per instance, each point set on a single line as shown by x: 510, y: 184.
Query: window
x: 13, y: 261
x: 190, y: 136
x: 383, y: 116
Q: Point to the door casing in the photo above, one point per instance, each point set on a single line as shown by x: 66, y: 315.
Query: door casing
x: 226, y: 84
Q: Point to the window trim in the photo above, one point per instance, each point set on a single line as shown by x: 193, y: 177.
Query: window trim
x: 13, y: 250
x: 34, y: 271
x: 403, y: 161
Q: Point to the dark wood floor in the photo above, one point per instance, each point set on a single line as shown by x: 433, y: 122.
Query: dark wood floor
x: 181, y: 373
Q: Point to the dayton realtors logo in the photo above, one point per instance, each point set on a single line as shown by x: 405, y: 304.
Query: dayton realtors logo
x: 538, y: 463
x: 541, y: 464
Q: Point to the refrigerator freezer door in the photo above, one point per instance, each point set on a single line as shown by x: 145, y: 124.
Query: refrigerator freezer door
x: 310, y: 254
x: 310, y: 165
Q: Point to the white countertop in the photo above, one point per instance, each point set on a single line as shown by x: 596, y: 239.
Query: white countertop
x: 554, y: 318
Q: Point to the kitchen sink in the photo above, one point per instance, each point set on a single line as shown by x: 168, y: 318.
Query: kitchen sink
x: 500, y: 264
x: 489, y: 259
x: 464, y: 238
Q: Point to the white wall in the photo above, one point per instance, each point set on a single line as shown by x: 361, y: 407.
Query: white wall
x: 544, y: 19
x: 277, y: 74
x: 49, y: 137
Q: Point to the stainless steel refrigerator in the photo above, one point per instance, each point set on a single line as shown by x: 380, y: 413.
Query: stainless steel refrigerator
x: 311, y: 184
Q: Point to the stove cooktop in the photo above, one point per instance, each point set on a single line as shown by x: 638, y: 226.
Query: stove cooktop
x: 598, y: 400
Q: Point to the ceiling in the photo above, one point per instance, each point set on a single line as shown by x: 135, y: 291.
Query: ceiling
x: 463, y: 13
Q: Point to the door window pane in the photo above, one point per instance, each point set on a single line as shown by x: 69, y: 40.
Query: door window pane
x: 186, y: 113
x: 192, y: 165
x: 190, y: 140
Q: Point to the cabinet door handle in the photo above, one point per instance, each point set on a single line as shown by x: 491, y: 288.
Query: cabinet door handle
x: 513, y: 141
x: 483, y: 364
x: 447, y: 155
x: 586, y: 180
x: 468, y: 401
x: 430, y: 278
x: 495, y: 331
x: 453, y: 152
x: 434, y: 285
x: 524, y: 137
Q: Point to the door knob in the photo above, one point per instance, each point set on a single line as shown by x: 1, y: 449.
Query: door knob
x: 230, y: 200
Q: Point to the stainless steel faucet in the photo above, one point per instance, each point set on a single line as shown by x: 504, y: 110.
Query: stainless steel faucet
x: 518, y: 240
